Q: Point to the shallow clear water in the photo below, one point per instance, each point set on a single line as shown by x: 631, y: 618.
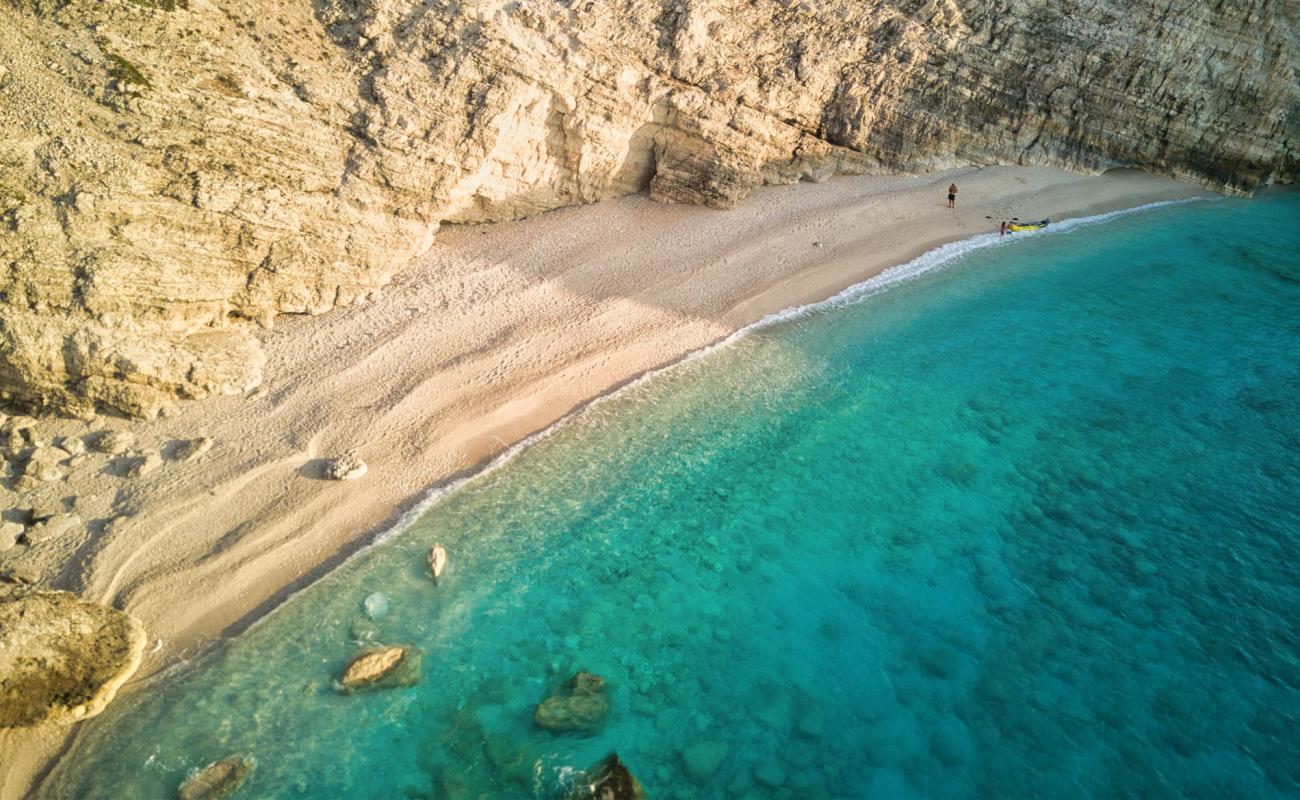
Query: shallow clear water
x: 1022, y: 527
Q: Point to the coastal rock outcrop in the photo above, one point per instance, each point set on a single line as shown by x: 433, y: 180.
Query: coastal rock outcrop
x: 217, y: 779
x: 174, y: 175
x: 62, y: 659
x: 581, y: 708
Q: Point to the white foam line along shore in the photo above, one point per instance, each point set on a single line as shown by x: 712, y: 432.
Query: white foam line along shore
x: 927, y: 263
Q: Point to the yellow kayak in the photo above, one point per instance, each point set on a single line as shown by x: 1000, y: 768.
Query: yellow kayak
x: 1028, y: 226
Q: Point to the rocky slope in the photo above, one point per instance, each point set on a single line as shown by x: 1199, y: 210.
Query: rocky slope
x: 174, y: 174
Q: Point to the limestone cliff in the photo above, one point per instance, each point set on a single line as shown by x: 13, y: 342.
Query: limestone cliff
x: 174, y: 173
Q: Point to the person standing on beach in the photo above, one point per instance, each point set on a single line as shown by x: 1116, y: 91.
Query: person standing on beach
x: 952, y: 195
x: 1002, y: 231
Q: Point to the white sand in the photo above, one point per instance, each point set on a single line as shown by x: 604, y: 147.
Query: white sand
x: 495, y: 334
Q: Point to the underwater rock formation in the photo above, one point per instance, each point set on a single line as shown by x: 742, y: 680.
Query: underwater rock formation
x: 174, y: 174
x: 217, y: 779
x: 581, y: 708
x: 607, y: 780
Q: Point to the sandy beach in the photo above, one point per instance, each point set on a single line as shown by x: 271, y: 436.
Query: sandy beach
x: 493, y: 335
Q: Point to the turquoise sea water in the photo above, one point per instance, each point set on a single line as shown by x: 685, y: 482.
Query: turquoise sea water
x: 1023, y: 527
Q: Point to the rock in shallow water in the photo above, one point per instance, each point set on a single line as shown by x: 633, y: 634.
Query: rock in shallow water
x: 381, y: 668
x: 217, y: 779
x: 437, y: 561
x: 62, y: 659
x: 607, y: 780
x: 376, y: 605
x: 702, y: 759
x: 582, y: 709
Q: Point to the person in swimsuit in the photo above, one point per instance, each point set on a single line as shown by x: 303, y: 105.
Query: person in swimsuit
x: 952, y: 195
x: 1002, y: 231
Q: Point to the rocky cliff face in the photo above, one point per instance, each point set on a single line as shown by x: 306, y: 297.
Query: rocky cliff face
x: 173, y: 174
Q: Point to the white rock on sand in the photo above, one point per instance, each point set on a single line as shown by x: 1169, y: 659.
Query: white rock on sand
x: 9, y: 533
x: 113, y: 442
x: 345, y: 468
x: 192, y: 449
x: 147, y: 462
x: 53, y: 528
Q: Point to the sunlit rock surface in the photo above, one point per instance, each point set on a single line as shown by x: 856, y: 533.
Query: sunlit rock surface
x: 174, y: 173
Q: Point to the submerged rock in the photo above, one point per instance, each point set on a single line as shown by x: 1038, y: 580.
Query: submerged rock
x: 217, y: 779
x: 345, y: 468
x: 437, y: 561
x: 607, y: 780
x: 381, y: 668
x: 62, y: 659
x: 581, y: 709
x: 376, y: 605
x: 702, y: 759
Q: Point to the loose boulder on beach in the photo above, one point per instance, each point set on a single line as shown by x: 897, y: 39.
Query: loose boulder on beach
x: 62, y: 659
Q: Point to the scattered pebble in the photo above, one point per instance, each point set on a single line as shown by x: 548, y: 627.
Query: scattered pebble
x: 52, y: 528
x: 72, y: 445
x: 46, y: 507
x: 191, y: 449
x: 114, y: 442
x: 148, y: 461
x: 22, y: 576
x: 43, y: 471
x: 9, y: 534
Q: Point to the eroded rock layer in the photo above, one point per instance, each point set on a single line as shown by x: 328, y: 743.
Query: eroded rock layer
x: 174, y: 173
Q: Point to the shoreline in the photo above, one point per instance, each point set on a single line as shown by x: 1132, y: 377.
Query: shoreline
x: 491, y: 339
